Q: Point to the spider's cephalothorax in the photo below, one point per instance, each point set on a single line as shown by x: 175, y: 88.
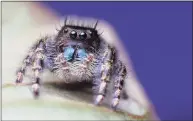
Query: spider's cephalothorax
x: 76, y: 54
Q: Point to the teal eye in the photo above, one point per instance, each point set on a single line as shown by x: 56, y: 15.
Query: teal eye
x: 81, y: 54
x: 68, y: 53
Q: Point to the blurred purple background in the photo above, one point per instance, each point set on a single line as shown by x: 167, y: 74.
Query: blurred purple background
x: 158, y: 36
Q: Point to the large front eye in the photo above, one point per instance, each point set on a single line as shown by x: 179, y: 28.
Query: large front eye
x: 82, y: 35
x: 73, y: 34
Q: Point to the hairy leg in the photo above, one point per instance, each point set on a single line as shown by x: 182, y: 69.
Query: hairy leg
x: 35, y: 59
x: 104, y: 78
x: 120, y: 75
x: 37, y: 68
x: 26, y: 62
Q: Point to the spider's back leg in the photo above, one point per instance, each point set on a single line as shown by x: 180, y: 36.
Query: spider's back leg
x: 118, y: 83
x: 34, y: 58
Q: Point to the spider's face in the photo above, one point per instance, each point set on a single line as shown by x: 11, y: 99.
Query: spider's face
x: 77, y: 48
x: 77, y: 42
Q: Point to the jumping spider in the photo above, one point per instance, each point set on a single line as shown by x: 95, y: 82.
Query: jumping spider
x: 77, y: 53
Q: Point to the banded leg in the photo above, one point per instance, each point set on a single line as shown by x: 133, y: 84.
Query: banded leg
x: 105, y: 75
x: 21, y: 72
x: 37, y: 68
x: 28, y: 60
x: 118, y: 84
x: 35, y: 59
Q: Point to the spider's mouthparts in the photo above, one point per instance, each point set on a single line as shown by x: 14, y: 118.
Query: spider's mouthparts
x: 74, y: 53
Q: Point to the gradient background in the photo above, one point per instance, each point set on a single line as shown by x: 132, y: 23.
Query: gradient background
x: 158, y: 37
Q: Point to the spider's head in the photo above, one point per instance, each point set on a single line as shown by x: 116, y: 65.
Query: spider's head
x: 77, y: 47
x: 77, y: 42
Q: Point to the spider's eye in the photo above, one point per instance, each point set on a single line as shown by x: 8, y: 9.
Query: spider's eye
x: 82, y: 35
x: 92, y: 34
x: 73, y: 34
x: 65, y: 30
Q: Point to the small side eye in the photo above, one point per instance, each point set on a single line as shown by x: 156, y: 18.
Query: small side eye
x: 73, y: 34
x: 83, y: 35
x: 92, y: 33
x: 65, y: 30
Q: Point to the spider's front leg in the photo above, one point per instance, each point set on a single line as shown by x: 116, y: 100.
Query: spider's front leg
x: 37, y: 68
x: 105, y: 75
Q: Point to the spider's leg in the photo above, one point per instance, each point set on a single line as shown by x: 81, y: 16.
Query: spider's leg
x: 35, y: 58
x: 26, y: 62
x: 105, y: 75
x: 38, y: 64
x: 118, y: 83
